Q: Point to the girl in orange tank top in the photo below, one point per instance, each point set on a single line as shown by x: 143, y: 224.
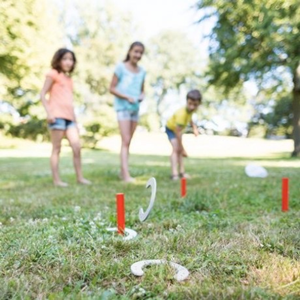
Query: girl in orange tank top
x: 60, y: 112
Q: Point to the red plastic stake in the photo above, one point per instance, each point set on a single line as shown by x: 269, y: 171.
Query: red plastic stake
x: 285, y: 194
x: 183, y: 187
x: 120, y: 213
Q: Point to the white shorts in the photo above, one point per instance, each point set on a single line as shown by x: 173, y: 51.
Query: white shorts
x: 128, y: 115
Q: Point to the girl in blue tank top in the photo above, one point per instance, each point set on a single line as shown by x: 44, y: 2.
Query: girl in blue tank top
x: 127, y: 86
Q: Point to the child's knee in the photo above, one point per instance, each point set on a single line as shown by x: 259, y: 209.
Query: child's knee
x: 56, y: 149
x: 76, y: 148
x: 126, y: 142
x: 176, y: 150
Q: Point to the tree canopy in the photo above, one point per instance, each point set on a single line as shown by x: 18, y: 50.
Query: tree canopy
x: 255, y: 40
x: 27, y: 43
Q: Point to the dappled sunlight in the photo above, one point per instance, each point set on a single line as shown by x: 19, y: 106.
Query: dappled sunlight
x: 158, y: 144
x: 142, y: 143
x: 25, y: 148
x: 32, y: 150
x: 7, y: 143
x: 157, y: 163
x: 202, y: 146
x: 271, y: 163
x: 88, y: 161
x: 9, y: 185
x: 281, y: 274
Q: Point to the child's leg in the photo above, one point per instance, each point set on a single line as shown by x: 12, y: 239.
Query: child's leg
x: 133, y: 128
x: 74, y: 140
x: 181, y: 164
x: 174, y: 156
x: 56, y: 137
x: 126, y: 130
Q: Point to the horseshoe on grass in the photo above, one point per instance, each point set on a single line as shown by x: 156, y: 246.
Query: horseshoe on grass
x: 144, y: 215
x: 129, y: 233
x: 182, y: 273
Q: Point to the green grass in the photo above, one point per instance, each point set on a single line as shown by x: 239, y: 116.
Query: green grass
x: 229, y: 231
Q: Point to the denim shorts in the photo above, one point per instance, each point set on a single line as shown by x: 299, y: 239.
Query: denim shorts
x: 170, y: 133
x: 128, y: 115
x: 61, y: 124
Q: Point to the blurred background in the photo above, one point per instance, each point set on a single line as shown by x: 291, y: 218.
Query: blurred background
x: 244, y: 59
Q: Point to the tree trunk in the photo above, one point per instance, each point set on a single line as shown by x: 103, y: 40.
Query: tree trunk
x: 296, y: 112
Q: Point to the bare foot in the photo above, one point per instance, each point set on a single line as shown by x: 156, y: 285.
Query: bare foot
x: 84, y: 181
x: 174, y: 177
x: 60, y: 184
x: 185, y: 175
x: 129, y: 180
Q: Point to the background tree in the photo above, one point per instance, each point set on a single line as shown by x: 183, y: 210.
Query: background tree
x: 256, y: 40
x: 172, y: 61
x: 273, y: 117
x: 101, y: 40
x: 27, y: 43
x: 98, y: 33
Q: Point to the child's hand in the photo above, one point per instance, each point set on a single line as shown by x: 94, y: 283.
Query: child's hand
x: 196, y: 133
x: 130, y: 100
x: 50, y: 119
x: 141, y: 97
x: 184, y: 154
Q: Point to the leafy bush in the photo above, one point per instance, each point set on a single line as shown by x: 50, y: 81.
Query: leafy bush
x: 94, y: 132
x: 150, y: 121
x: 33, y: 129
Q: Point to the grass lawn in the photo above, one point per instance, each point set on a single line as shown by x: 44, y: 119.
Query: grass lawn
x: 229, y: 231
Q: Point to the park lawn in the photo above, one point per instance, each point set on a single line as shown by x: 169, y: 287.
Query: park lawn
x: 229, y: 231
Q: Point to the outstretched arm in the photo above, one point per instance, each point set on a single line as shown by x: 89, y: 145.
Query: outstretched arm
x: 178, y: 132
x: 195, y: 128
x: 142, y: 95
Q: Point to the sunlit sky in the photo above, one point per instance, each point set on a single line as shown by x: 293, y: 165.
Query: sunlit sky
x: 153, y: 16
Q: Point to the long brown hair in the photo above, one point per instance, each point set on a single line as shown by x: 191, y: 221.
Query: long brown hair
x: 59, y: 54
x: 131, y: 47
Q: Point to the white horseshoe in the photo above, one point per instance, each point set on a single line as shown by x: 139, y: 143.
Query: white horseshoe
x: 144, y: 215
x: 129, y: 233
x: 182, y: 273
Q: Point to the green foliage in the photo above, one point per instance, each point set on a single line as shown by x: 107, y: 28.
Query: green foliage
x: 2, y: 125
x: 257, y: 130
x: 252, y: 39
x: 172, y: 62
x: 26, y: 46
x: 102, y: 40
x: 150, y: 121
x: 98, y: 124
x: 256, y: 40
x: 281, y: 117
x: 33, y: 129
x: 100, y: 34
x: 94, y: 132
x: 278, y: 121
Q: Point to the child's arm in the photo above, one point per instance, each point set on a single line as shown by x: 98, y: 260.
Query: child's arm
x: 178, y: 132
x: 47, y: 85
x: 114, y: 91
x: 142, y: 95
x: 195, y: 128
